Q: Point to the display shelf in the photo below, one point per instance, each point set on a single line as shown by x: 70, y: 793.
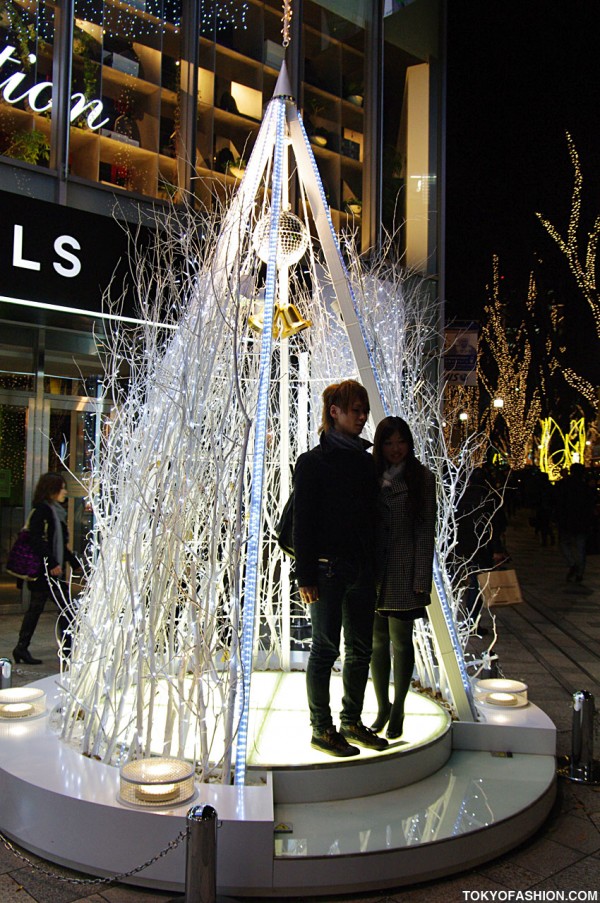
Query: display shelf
x: 118, y: 81
x: 132, y: 168
x: 232, y: 66
x: 10, y: 113
x: 235, y: 121
x: 133, y: 68
x: 84, y: 153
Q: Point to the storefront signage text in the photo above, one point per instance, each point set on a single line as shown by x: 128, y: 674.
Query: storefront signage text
x: 63, y: 247
x: 39, y: 97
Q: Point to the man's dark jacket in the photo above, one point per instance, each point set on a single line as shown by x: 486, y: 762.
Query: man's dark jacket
x: 335, y: 494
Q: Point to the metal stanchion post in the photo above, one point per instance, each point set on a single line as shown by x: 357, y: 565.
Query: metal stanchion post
x: 583, y: 768
x: 201, y: 855
x: 5, y: 674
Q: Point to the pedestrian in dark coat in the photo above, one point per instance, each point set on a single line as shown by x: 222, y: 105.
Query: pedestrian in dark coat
x: 49, y: 537
x: 405, y: 546
x: 335, y: 493
x: 575, y: 506
x: 480, y: 527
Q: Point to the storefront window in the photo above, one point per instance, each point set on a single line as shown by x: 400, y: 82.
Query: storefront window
x: 409, y: 159
x: 334, y: 102
x: 132, y: 123
x: 26, y: 49
x: 16, y: 368
x: 126, y: 59
x: 13, y: 430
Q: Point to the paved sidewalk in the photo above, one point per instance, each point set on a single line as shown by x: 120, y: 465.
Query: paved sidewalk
x: 552, y: 642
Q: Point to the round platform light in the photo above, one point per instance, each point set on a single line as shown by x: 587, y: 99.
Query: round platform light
x: 22, y: 702
x: 501, y: 691
x: 158, y: 781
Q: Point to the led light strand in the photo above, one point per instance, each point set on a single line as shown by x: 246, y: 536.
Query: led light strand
x: 135, y: 18
x: 260, y: 441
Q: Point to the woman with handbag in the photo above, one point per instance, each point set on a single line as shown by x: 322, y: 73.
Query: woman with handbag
x: 48, y: 537
x: 405, y: 545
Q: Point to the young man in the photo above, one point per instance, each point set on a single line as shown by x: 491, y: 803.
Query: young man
x: 335, y: 493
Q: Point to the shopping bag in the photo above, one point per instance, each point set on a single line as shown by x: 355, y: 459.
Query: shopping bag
x: 500, y: 587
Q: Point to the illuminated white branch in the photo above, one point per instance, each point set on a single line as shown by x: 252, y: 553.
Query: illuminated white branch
x: 184, y: 597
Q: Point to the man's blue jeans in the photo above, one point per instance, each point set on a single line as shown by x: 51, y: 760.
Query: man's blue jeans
x: 346, y: 601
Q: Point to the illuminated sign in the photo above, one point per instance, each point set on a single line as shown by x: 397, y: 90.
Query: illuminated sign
x: 39, y: 97
x: 60, y: 258
x: 460, y: 354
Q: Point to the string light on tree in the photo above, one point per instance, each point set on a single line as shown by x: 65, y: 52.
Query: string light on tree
x: 511, y: 356
x: 584, y: 272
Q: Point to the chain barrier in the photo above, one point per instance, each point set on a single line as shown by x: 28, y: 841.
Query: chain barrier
x: 173, y: 844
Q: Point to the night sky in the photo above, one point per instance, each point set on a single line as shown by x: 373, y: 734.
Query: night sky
x: 520, y: 74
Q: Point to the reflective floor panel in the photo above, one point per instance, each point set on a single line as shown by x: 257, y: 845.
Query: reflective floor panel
x: 473, y: 791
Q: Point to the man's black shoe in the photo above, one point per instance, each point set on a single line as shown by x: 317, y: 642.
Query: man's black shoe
x: 333, y: 743
x: 363, y: 736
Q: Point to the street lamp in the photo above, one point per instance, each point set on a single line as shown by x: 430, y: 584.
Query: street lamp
x: 498, y: 402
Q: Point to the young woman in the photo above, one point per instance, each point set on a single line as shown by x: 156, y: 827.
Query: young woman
x: 48, y: 536
x: 405, y: 545
x: 335, y: 494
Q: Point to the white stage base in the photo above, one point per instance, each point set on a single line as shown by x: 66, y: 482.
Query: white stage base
x: 495, y: 787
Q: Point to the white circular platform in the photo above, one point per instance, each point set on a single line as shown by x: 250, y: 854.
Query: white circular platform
x: 383, y: 833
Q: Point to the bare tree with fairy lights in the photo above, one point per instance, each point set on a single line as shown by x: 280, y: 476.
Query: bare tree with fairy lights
x: 244, y: 319
x: 584, y: 270
x: 508, y: 375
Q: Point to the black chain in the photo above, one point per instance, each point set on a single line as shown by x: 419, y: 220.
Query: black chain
x: 91, y: 881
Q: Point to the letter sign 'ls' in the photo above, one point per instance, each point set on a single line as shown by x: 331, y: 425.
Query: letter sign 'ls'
x: 68, y: 264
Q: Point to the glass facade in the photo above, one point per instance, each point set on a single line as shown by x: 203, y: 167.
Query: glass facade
x: 161, y: 98
x: 127, y: 57
x: 50, y: 419
x: 26, y: 57
x: 148, y: 101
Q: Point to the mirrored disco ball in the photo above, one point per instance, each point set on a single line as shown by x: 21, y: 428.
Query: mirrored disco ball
x: 292, y: 240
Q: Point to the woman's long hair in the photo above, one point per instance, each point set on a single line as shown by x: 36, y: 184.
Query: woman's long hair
x: 48, y: 486
x: 414, y: 471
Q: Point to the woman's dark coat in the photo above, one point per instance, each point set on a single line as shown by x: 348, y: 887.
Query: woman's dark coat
x: 42, y: 527
x: 335, y: 493
x: 405, y: 545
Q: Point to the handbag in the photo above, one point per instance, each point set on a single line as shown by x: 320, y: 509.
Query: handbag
x: 284, y: 528
x: 22, y: 561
